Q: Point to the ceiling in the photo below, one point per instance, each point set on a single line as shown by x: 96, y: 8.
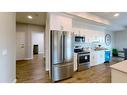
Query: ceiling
x: 117, y: 23
x: 38, y: 18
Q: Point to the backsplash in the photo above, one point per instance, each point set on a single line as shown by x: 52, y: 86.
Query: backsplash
x: 89, y: 45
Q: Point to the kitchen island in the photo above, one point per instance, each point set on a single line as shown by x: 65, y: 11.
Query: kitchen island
x: 119, y: 72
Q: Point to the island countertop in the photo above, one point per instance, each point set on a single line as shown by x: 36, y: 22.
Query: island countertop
x: 121, y: 66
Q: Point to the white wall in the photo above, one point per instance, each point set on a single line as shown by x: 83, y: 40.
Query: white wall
x: 28, y: 29
x: 120, y: 40
x: 38, y: 39
x: 7, y: 47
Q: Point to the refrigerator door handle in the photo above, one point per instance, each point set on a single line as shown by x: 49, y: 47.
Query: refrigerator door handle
x: 62, y: 46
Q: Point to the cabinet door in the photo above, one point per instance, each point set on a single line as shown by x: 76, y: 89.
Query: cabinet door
x: 58, y: 22
x: 55, y: 23
x: 76, y: 31
x: 97, y: 57
x: 93, y: 58
x: 90, y: 36
x: 101, y: 57
x: 82, y: 33
x: 65, y: 23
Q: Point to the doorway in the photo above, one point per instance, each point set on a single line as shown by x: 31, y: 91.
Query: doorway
x: 30, y: 65
x: 20, y: 45
x: 38, y: 43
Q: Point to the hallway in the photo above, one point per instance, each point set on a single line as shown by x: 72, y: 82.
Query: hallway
x: 31, y: 71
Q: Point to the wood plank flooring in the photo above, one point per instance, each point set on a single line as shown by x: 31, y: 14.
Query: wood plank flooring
x: 33, y: 71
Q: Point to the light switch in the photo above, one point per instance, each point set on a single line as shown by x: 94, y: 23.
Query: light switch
x: 4, y: 52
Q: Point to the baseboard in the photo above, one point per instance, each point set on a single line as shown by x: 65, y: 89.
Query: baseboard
x: 28, y: 58
x: 24, y: 59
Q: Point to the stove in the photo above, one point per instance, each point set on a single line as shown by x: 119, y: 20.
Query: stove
x: 83, y: 59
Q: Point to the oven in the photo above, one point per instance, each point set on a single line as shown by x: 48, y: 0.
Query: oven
x: 83, y: 61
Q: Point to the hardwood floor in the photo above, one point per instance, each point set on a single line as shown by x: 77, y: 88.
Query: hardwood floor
x: 96, y: 74
x: 33, y: 71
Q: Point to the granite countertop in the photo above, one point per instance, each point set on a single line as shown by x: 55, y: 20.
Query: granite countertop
x: 121, y: 66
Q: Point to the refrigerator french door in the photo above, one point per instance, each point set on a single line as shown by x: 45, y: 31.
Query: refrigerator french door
x: 61, y: 55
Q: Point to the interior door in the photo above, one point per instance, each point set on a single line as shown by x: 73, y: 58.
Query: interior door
x: 57, y: 47
x: 68, y: 46
x: 20, y: 45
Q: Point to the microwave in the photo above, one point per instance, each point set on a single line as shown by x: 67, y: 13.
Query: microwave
x: 79, y: 39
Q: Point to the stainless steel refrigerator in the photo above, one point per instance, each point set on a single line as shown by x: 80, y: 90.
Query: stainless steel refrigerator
x: 61, y: 55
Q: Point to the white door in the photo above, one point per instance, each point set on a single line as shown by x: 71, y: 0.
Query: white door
x: 20, y: 45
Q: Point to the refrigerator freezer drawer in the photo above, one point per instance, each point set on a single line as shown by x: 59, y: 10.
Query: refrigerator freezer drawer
x: 62, y: 72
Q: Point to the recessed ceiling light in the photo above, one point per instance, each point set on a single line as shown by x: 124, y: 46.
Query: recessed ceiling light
x: 116, y: 14
x: 30, y: 17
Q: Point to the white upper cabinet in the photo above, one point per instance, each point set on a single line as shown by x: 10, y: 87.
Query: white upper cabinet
x: 66, y: 23
x: 54, y: 22
x: 76, y: 31
x: 58, y: 22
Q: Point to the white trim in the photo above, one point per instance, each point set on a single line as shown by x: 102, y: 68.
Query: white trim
x: 24, y: 59
x: 20, y: 59
x: 27, y: 58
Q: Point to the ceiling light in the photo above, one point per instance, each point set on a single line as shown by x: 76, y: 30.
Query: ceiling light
x: 30, y: 17
x: 116, y: 14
